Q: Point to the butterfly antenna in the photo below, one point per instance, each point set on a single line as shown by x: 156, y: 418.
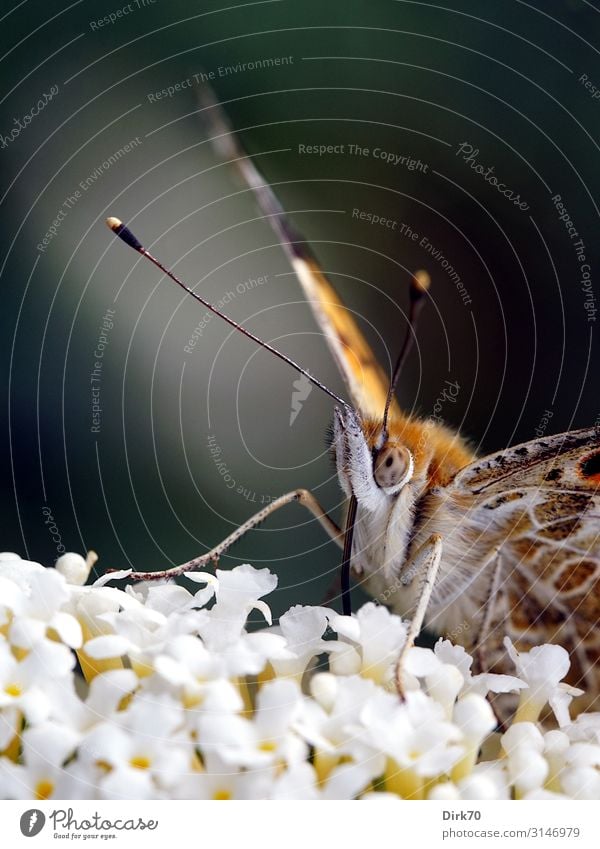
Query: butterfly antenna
x: 124, y: 233
x: 419, y: 286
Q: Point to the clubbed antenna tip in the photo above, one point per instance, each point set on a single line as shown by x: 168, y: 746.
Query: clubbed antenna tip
x: 420, y: 284
x: 123, y: 232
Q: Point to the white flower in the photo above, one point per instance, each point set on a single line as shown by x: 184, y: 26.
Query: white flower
x: 142, y: 749
x: 542, y: 669
x: 265, y: 740
x: 486, y: 781
x: 376, y: 635
x: 199, y: 676
x: 218, y: 781
x: 543, y: 795
x: 36, y: 606
x: 74, y: 568
x: 443, y: 685
x: 415, y: 737
x: 141, y: 633
x: 238, y: 592
x: 556, y: 746
x: 106, y: 691
x: 528, y: 770
x: 445, y: 792
x: 302, y: 628
x: 581, y: 782
x: 527, y: 767
x: 474, y: 716
x: 45, y: 750
x: 331, y: 723
x: 181, y: 699
x: 22, y: 683
x: 585, y: 727
x: 522, y: 735
x: 301, y: 782
x: 483, y: 683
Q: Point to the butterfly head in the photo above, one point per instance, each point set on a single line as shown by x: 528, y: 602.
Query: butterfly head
x: 370, y: 466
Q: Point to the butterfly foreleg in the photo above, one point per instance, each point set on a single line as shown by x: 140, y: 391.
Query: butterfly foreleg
x: 302, y: 496
x: 426, y: 562
x: 354, y: 461
x: 489, y: 609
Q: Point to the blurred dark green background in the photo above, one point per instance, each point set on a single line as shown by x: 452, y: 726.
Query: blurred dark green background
x: 516, y: 81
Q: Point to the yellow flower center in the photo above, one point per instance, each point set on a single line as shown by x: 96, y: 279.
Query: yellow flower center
x: 44, y: 788
x: 267, y: 746
x: 140, y: 762
x: 222, y: 795
x: 13, y: 689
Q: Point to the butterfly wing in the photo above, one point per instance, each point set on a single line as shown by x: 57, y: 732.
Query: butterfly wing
x: 540, y: 503
x: 366, y: 381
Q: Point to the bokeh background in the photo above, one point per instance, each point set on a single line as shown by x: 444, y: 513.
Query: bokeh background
x: 516, y: 81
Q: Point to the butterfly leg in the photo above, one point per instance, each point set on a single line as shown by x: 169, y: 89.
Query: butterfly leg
x: 426, y: 560
x: 302, y: 496
x: 488, y: 611
x: 354, y: 461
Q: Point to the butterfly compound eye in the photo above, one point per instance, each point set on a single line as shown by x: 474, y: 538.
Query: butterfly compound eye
x: 392, y: 467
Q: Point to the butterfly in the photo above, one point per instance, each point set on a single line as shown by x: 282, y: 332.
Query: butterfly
x: 474, y: 548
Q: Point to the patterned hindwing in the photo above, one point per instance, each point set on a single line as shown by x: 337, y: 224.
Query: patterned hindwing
x: 540, y: 505
x: 366, y: 380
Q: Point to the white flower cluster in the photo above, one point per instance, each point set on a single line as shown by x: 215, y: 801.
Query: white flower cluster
x: 155, y: 692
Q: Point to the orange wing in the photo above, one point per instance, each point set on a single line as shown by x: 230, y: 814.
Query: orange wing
x: 365, y: 379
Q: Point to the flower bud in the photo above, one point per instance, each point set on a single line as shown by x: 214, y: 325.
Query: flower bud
x: 447, y: 792
x: 74, y: 568
x: 474, y: 716
x: 527, y: 768
x: 346, y: 661
x: 444, y: 685
x: 323, y: 688
x: 478, y: 787
x: 522, y: 734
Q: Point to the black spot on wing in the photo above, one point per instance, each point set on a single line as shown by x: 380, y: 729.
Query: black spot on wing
x: 590, y: 466
x: 500, y: 500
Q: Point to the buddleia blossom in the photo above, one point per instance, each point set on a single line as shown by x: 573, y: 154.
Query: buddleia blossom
x: 162, y: 692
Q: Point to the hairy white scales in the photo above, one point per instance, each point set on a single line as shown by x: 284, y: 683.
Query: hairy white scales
x: 385, y: 538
